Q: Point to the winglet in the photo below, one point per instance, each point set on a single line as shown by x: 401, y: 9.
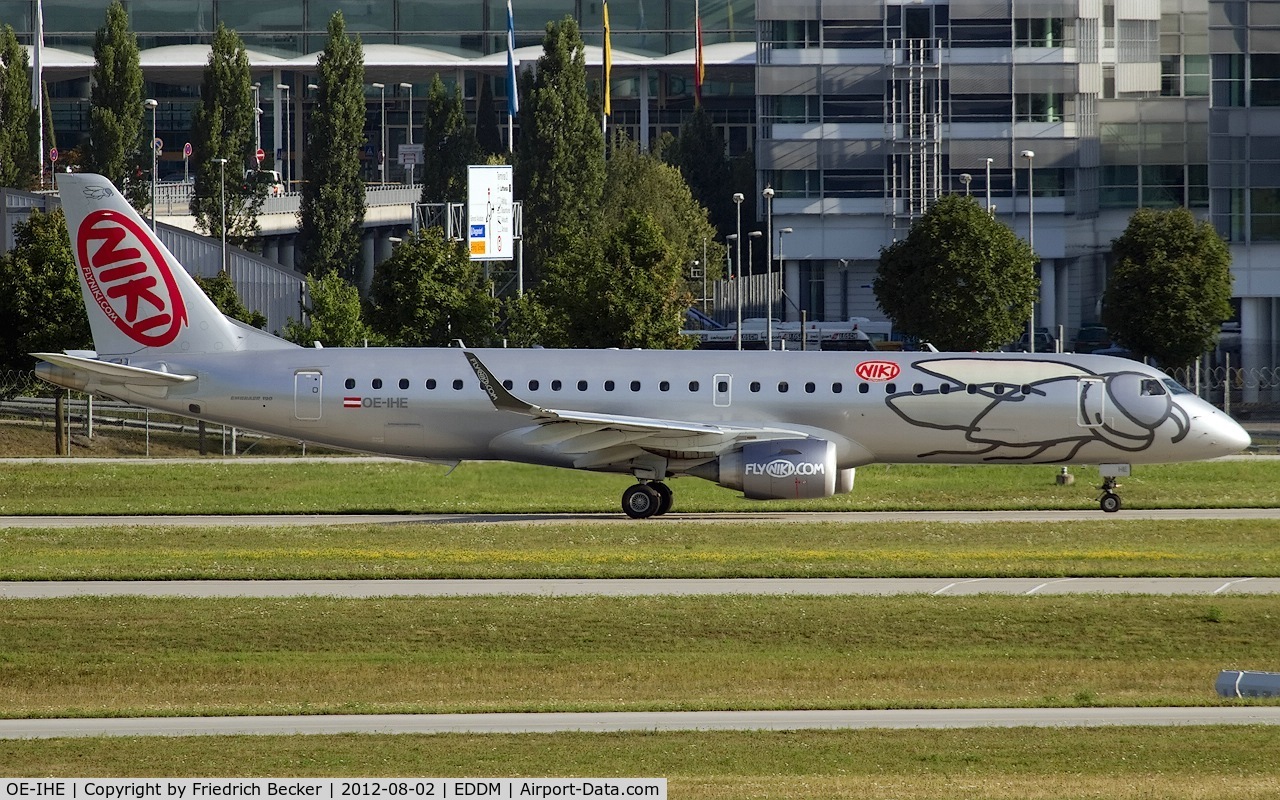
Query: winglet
x: 502, y: 399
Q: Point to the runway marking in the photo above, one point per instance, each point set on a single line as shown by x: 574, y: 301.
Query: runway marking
x: 954, y: 584
x: 1229, y: 584
x: 1049, y: 583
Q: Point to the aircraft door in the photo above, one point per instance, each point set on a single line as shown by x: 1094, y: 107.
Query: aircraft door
x: 307, y: 394
x: 722, y: 390
x: 1091, y: 402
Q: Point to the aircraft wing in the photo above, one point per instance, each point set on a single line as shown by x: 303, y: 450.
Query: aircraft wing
x: 609, y: 436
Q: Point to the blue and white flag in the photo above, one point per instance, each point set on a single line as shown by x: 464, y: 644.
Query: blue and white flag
x: 513, y: 90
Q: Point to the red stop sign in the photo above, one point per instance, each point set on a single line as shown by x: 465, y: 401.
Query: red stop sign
x: 260, y: 155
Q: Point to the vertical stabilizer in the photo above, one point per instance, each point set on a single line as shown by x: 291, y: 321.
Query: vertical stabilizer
x: 139, y: 298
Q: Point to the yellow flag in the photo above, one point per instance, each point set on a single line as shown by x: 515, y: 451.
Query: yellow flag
x: 608, y: 60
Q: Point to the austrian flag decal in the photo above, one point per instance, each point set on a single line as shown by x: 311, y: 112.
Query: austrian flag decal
x: 877, y: 371
x: 129, y: 278
x: 351, y: 402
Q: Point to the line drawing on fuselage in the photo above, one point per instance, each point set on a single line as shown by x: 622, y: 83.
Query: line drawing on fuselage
x: 771, y: 424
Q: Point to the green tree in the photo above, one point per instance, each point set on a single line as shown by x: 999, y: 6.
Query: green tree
x: 116, y: 145
x: 18, y: 163
x: 703, y: 160
x: 222, y: 291
x: 559, y: 171
x: 40, y: 299
x: 332, y: 211
x: 429, y: 293
x: 524, y: 320
x: 639, y: 295
x: 222, y: 127
x: 1170, y: 289
x: 488, y: 132
x: 449, y: 145
x: 334, y: 316
x: 960, y: 279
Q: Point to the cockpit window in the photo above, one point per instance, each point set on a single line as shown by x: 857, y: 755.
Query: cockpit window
x: 1151, y: 387
x: 1175, y: 387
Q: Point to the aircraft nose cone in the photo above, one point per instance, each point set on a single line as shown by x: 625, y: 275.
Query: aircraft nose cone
x: 1224, y: 433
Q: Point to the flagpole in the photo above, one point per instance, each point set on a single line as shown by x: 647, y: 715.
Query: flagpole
x: 37, y: 79
x: 513, y: 90
x: 607, y: 67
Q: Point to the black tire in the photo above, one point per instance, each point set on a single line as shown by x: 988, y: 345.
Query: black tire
x: 666, y: 498
x: 640, y: 501
x: 1110, y: 502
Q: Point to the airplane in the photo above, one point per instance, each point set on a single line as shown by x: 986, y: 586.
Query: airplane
x: 772, y: 425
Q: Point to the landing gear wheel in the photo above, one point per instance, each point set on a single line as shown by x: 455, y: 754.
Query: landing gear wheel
x: 641, y: 501
x: 666, y: 498
x: 1110, y: 501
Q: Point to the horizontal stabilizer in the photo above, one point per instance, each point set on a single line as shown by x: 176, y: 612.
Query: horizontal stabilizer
x: 105, y: 372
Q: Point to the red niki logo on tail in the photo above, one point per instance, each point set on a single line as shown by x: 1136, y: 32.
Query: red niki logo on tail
x: 129, y: 278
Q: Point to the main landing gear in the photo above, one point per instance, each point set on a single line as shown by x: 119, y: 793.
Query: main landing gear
x: 1110, y: 501
x: 644, y: 500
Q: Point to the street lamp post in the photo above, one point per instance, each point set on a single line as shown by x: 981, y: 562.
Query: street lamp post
x: 966, y: 179
x: 153, y: 105
x: 382, y: 144
x: 781, y: 271
x: 768, y: 324
x: 751, y: 261
x: 1030, y: 155
x: 222, y: 173
x: 257, y: 117
x: 990, y: 209
x: 409, y: 134
x: 288, y: 144
x: 737, y: 201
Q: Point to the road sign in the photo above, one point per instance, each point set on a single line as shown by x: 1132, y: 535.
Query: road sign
x: 409, y: 154
x: 158, y: 144
x: 260, y: 154
x: 53, y: 154
x: 186, y: 150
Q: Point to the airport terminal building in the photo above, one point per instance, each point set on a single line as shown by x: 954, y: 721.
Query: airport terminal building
x: 1063, y: 115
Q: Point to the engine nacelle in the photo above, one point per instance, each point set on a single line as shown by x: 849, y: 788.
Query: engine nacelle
x: 781, y: 469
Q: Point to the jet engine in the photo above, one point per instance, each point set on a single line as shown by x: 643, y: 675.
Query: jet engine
x: 779, y: 470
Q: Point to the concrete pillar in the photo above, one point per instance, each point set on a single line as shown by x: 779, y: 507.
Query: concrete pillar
x: 1047, y: 314
x: 644, y: 110
x: 365, y: 279
x: 1255, y: 328
x: 271, y: 248
x: 286, y: 258
x: 1063, y: 276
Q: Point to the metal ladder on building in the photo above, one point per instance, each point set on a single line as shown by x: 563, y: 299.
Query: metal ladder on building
x: 914, y: 135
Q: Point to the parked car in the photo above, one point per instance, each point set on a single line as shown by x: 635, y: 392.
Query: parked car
x: 1091, y: 338
x: 268, y: 177
x: 1045, y: 342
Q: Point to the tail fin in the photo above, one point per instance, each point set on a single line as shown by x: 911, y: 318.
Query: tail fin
x: 139, y: 298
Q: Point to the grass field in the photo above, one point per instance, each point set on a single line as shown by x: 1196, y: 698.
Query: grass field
x: 246, y: 486
x: 1106, y: 546
x: 1026, y: 764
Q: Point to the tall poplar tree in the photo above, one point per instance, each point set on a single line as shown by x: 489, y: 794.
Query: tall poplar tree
x: 332, y: 212
x: 18, y: 163
x: 488, y: 134
x: 559, y: 171
x: 222, y: 127
x: 449, y: 145
x: 116, y: 145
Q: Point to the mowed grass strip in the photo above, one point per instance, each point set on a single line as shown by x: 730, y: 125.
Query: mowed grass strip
x: 1106, y: 546
x: 309, y: 486
x: 1185, y: 763
x: 136, y: 656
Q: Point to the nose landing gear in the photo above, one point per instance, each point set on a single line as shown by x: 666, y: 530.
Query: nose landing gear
x: 644, y: 500
x: 1109, y: 501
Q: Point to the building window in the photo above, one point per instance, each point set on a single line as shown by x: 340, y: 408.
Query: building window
x: 1039, y: 32
x: 1039, y: 107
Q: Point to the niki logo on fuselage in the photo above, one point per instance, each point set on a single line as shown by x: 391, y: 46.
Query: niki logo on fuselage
x: 1049, y: 418
x: 129, y: 278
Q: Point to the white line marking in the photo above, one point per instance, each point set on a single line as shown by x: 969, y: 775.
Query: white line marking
x: 1229, y: 584
x: 954, y: 584
x: 1049, y: 583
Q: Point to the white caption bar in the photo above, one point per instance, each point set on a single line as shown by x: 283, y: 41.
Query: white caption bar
x: 327, y: 788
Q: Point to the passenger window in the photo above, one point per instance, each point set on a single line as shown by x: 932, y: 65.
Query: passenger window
x: 837, y: 388
x: 783, y: 387
x: 404, y: 383
x: 891, y: 388
x: 608, y: 386
x: 810, y: 387
x: 555, y: 386
x: 457, y: 384
x: 944, y: 389
x: 508, y: 385
x: 635, y: 386
x: 722, y: 387
x: 1026, y: 388
x: 533, y: 386
x: 755, y: 386
x: 582, y: 386
x: 999, y: 389
x: 377, y: 383
x: 431, y: 383
x: 917, y: 388
x: 665, y: 386
x: 351, y: 383
x: 971, y: 388
x: 863, y: 388
x: 693, y: 386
